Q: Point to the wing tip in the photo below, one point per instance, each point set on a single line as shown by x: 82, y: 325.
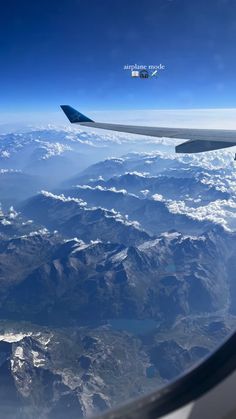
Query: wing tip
x: 73, y: 115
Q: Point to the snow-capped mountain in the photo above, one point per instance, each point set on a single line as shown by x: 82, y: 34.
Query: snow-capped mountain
x: 169, y: 187
x: 141, y: 301
x: 153, y: 215
x: 201, y: 187
x: 57, y: 281
x: 72, y: 218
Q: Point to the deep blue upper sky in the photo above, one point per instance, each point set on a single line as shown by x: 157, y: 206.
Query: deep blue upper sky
x: 72, y: 51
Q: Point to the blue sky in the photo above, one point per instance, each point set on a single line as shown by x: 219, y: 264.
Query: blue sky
x: 73, y: 51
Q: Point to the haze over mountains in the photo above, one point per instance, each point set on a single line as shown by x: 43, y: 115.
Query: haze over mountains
x: 117, y: 263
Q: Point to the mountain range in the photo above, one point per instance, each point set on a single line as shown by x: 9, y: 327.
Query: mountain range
x: 117, y: 263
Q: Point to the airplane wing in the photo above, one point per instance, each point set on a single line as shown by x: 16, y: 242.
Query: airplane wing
x: 199, y: 139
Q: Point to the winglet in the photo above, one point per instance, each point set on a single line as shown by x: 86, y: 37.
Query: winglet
x: 73, y: 115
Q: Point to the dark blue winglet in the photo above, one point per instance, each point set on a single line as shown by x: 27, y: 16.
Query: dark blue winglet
x: 73, y: 115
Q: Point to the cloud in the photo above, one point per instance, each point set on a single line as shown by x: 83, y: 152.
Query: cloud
x: 157, y: 197
x: 62, y: 198
x: 189, y: 118
x: 138, y: 174
x: 53, y: 149
x: 221, y: 212
x: 101, y: 188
